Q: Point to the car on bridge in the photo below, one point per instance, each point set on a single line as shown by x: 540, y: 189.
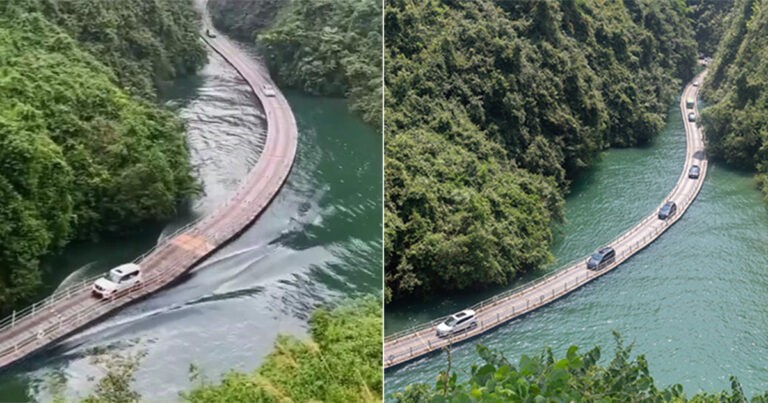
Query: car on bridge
x: 210, y: 33
x: 601, y: 258
x: 119, y: 279
x: 457, y: 322
x: 694, y: 172
x: 695, y: 83
x: 689, y: 103
x: 691, y: 117
x: 667, y: 210
x: 268, y: 90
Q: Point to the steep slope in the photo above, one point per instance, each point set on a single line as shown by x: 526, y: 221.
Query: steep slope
x: 79, y: 156
x: 144, y: 42
x: 709, y: 18
x: 492, y: 108
x: 321, y: 47
x: 737, y: 122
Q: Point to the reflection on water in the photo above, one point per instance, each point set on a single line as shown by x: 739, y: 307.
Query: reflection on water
x: 694, y: 301
x: 318, y: 241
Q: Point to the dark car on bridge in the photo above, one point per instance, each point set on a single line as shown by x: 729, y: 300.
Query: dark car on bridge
x: 694, y: 172
x: 667, y: 210
x: 602, y: 258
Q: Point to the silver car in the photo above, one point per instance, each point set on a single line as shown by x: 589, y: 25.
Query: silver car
x: 456, y: 323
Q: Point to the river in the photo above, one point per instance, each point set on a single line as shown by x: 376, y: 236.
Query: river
x: 693, y: 302
x: 318, y: 243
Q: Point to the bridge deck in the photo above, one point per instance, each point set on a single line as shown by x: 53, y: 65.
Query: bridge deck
x: 67, y: 310
x: 414, y: 343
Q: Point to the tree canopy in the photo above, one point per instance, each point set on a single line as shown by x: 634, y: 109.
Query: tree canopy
x: 79, y: 155
x: 321, y: 47
x: 577, y: 377
x: 708, y: 17
x: 340, y: 363
x: 493, y: 107
x: 736, y: 123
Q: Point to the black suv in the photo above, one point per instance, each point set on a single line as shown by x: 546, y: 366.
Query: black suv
x: 601, y: 258
x: 667, y: 210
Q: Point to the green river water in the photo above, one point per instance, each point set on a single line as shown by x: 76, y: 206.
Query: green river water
x: 693, y: 302
x: 318, y: 242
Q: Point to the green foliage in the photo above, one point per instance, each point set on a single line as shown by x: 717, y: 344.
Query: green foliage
x: 341, y: 363
x: 144, y: 42
x: 574, y: 378
x: 708, y: 18
x: 492, y: 107
x: 243, y: 18
x: 78, y: 155
x: 329, y: 47
x: 322, y: 47
x: 737, y: 89
x: 115, y: 385
x: 467, y: 219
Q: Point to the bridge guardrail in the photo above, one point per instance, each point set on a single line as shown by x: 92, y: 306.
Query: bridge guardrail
x: 565, y: 268
x: 75, y: 319
x: 545, y: 299
x: 65, y: 323
x: 84, y: 285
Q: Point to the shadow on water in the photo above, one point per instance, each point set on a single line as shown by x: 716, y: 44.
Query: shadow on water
x: 693, y: 302
x: 319, y: 241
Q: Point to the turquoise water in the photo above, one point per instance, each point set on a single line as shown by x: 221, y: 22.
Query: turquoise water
x: 693, y: 302
x: 318, y: 242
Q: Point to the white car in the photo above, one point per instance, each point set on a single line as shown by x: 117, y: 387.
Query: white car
x: 268, y: 90
x: 695, y: 83
x: 456, y: 323
x: 118, y: 279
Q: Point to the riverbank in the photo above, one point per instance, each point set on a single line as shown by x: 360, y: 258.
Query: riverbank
x: 318, y: 241
x: 712, y: 281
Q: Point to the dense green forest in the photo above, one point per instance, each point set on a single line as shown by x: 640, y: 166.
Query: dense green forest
x: 577, y: 377
x: 340, y: 362
x: 493, y: 107
x: 322, y: 47
x: 144, y: 42
x: 736, y: 123
x: 244, y: 18
x: 708, y: 18
x: 81, y: 156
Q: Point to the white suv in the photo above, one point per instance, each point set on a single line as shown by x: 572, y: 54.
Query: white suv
x: 268, y: 90
x: 119, y: 279
x: 457, y: 322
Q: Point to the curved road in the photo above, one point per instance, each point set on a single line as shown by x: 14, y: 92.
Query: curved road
x: 66, y: 311
x: 411, y: 344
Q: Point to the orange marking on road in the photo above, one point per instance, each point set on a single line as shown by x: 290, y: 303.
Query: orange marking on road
x: 193, y: 243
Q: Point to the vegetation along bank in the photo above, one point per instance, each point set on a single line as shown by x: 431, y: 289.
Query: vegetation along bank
x: 736, y: 122
x: 493, y: 107
x: 321, y: 47
x: 84, y: 151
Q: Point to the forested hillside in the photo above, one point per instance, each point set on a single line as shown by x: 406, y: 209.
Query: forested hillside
x: 321, y: 47
x: 340, y: 363
x: 244, y: 18
x: 737, y: 89
x: 144, y: 42
x: 577, y: 377
x: 493, y: 107
x: 709, y: 18
x: 79, y: 155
